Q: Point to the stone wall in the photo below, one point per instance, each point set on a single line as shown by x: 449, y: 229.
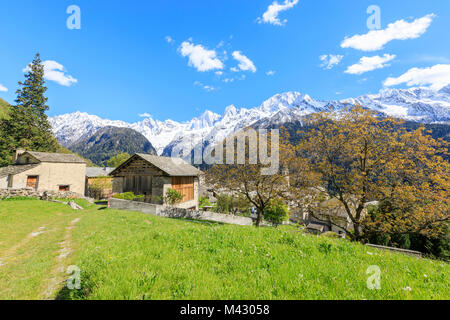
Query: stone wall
x: 399, y: 250
x: 169, y: 212
x: 32, y: 193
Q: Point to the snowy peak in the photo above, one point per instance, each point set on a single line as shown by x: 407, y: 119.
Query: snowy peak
x: 206, y: 120
x: 416, y: 104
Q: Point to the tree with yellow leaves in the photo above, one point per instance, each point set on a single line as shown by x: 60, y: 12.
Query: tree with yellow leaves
x: 358, y: 157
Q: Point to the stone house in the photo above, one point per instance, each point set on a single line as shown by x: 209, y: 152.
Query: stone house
x: 45, y: 172
x: 98, y: 182
x: 152, y: 176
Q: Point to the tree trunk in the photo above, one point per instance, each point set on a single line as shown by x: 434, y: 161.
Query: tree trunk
x: 357, y: 233
x: 259, y: 218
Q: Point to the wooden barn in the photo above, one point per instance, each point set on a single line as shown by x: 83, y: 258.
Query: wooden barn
x: 152, y: 176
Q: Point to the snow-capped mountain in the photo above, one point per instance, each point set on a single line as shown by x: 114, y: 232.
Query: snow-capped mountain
x: 416, y: 104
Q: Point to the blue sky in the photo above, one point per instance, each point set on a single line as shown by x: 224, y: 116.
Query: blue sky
x: 120, y: 65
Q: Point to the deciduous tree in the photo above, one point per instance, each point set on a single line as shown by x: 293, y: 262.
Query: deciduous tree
x: 359, y: 157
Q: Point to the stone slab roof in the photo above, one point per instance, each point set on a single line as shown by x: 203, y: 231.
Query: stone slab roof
x: 15, y: 169
x: 55, y: 157
x: 93, y: 172
x: 174, y: 167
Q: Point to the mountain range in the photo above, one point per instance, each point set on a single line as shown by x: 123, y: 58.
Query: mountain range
x: 109, y: 141
x: 421, y: 105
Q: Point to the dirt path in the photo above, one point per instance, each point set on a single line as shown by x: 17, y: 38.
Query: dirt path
x: 58, y: 273
x: 10, y: 254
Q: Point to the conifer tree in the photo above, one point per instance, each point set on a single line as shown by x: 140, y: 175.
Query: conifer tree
x: 27, y: 126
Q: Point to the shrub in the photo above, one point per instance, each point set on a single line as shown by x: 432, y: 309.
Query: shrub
x: 276, y: 212
x: 229, y: 204
x: 129, y: 196
x: 204, y: 201
x: 173, y: 197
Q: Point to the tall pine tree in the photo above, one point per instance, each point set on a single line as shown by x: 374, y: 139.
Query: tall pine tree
x: 27, y: 126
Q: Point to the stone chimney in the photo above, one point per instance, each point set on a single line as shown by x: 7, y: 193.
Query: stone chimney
x: 17, y: 153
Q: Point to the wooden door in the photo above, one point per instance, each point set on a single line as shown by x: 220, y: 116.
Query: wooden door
x: 32, y: 182
x: 184, y: 185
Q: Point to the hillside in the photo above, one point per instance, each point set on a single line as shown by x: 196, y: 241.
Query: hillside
x: 131, y: 255
x: 3, y: 108
x: 110, y: 141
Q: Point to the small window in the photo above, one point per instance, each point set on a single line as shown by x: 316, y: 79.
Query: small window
x: 32, y: 182
x: 64, y: 188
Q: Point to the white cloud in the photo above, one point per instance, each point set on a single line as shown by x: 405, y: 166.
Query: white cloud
x: 228, y: 80
x: 145, y: 115
x: 330, y: 60
x: 200, y: 58
x: 272, y: 12
x: 367, y: 64
x: 219, y: 73
x: 245, y: 64
x: 234, y: 69
x: 436, y: 77
x: 3, y: 88
x: 399, y: 30
x: 205, y: 87
x: 270, y: 73
x: 169, y: 39
x: 54, y: 71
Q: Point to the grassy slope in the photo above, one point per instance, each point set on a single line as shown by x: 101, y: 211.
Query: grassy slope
x: 3, y: 108
x: 128, y: 255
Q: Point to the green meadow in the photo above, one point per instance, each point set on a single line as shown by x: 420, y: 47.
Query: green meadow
x: 130, y: 255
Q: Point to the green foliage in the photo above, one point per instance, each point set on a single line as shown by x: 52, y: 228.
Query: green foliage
x: 276, y: 212
x: 117, y: 160
x: 109, y: 142
x: 204, y: 201
x: 172, y: 197
x: 230, y: 204
x: 27, y: 125
x: 129, y: 196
